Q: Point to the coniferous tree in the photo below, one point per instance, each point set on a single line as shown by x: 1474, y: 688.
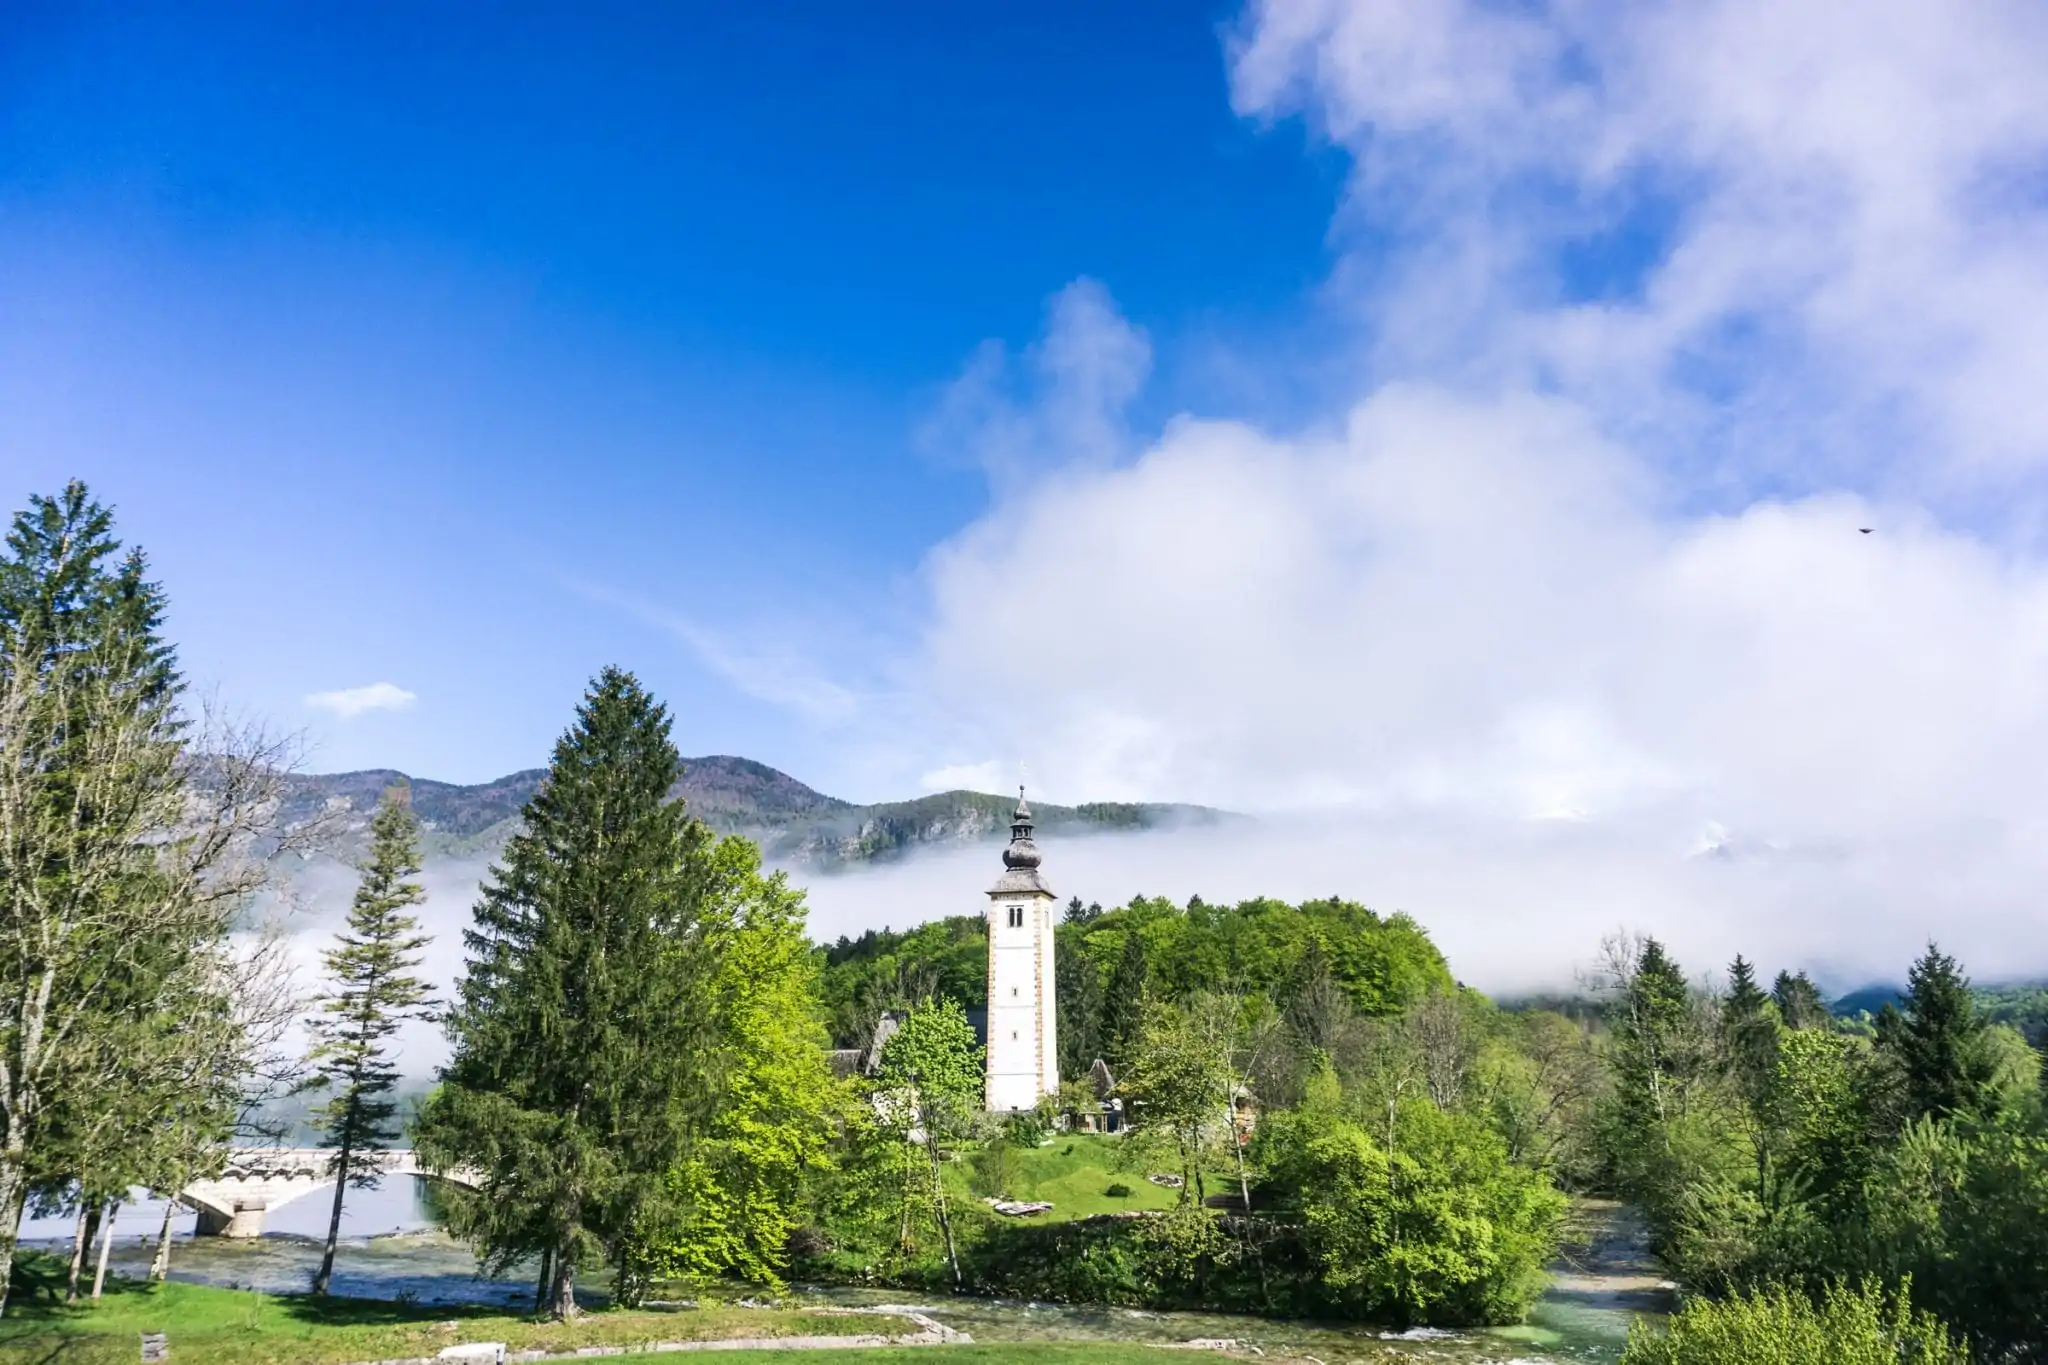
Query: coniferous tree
x: 1749, y: 1033
x: 580, y: 1042
x: 1079, y: 1000
x: 109, y: 925
x: 1123, y: 1006
x: 1799, y: 1001
x: 1937, y: 1039
x: 1649, y: 1014
x: 374, y: 992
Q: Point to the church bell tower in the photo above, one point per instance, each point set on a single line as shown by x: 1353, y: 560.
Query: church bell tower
x: 1023, y: 1052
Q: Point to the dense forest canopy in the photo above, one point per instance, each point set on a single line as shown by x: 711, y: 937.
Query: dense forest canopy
x: 1262, y: 946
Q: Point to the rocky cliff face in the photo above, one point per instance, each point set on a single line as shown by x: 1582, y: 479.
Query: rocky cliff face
x: 793, y: 823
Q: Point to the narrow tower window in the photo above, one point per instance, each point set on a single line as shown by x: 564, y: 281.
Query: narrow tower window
x: 1016, y: 917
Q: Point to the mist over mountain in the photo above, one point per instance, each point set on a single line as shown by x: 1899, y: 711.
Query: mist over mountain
x: 795, y: 825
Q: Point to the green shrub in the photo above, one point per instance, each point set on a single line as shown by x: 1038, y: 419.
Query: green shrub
x: 1117, y: 1190
x: 1780, y: 1326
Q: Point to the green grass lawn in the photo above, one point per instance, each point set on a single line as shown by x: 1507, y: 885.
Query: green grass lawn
x: 1074, y: 1173
x: 1017, y: 1353
x: 210, y: 1326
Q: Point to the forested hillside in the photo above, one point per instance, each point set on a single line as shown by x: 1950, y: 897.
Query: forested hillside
x: 791, y: 822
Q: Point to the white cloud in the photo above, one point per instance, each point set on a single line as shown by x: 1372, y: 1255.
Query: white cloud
x: 1061, y: 404
x: 350, y: 702
x: 1578, y: 574
x: 1842, y: 210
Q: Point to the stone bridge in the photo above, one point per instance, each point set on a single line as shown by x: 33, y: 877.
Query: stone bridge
x: 259, y: 1179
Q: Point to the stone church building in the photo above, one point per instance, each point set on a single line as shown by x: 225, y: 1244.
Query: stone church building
x: 1023, y: 1050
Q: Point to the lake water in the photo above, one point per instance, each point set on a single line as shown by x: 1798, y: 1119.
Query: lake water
x: 391, y: 1249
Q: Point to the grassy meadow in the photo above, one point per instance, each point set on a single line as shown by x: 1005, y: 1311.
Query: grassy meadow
x: 211, y: 1326
x: 1074, y: 1173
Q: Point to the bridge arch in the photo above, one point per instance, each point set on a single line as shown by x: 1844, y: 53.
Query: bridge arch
x: 259, y: 1179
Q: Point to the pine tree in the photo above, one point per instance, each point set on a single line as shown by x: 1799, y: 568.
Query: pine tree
x: 1079, y: 999
x: 1649, y: 1016
x: 580, y: 1038
x: 1937, y: 1039
x: 1123, y: 1006
x: 374, y: 992
x: 91, y: 776
x: 1799, y: 1001
x: 1749, y: 1035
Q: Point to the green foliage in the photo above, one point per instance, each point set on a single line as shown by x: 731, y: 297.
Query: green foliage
x: 1435, y: 1225
x: 934, y: 1053
x: 1178, y: 1084
x: 889, y: 970
x: 373, y: 992
x: 1079, y: 994
x: 1915, y: 1154
x: 1936, y: 1041
x: 122, y: 1048
x: 1861, y: 1325
x: 1123, y: 1003
x: 1799, y: 1001
x: 582, y: 1041
x: 743, y: 1186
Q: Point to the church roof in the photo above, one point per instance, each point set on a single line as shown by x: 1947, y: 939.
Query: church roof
x: 1021, y: 858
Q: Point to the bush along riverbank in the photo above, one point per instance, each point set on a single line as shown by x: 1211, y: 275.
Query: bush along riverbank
x: 1441, y: 1229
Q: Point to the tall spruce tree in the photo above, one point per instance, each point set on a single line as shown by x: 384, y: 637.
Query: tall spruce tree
x: 1079, y: 999
x: 1749, y: 1033
x: 580, y: 1063
x: 374, y: 991
x: 1800, y: 1003
x: 91, y: 776
x: 1937, y: 1039
x: 1123, y: 1005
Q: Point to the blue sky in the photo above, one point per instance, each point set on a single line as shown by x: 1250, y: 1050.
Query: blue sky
x: 1449, y: 430
x: 411, y: 342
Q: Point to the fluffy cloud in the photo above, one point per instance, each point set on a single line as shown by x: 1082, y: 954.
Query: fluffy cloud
x: 350, y: 702
x: 1570, y: 618
x: 1760, y: 233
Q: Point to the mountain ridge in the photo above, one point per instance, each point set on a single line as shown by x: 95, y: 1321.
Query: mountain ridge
x: 794, y: 823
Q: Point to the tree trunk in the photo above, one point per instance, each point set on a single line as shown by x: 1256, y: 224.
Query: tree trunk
x: 99, y: 1274
x: 931, y: 1147
x: 1236, y: 1140
x: 542, y: 1285
x: 562, y: 1294
x: 88, y: 1223
x: 160, y: 1265
x: 13, y: 1191
x: 333, y: 1222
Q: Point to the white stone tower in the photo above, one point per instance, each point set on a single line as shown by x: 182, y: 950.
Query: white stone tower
x: 1023, y: 1053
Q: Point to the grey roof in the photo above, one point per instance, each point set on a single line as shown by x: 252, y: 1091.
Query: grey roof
x: 1020, y: 881
x: 1020, y: 859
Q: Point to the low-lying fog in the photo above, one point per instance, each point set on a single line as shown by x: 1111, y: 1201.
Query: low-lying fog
x: 1516, y: 907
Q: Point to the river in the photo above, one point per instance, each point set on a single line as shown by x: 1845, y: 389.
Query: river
x: 391, y: 1249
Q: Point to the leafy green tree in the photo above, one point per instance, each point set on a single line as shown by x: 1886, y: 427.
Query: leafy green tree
x: 374, y: 992
x: 932, y: 1081
x: 1861, y: 1325
x: 743, y: 1186
x: 581, y: 1066
x: 1178, y: 1084
x: 1442, y: 1228
x: 1937, y: 1039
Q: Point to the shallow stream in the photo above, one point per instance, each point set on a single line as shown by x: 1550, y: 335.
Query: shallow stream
x: 391, y: 1250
